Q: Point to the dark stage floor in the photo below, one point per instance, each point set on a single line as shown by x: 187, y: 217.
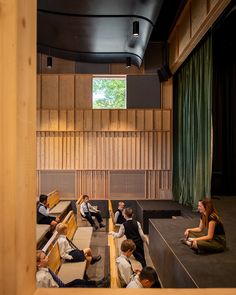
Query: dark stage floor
x: 178, y: 266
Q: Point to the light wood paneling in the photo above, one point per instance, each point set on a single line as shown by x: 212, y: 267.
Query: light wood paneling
x: 49, y: 91
x: 104, y: 150
x: 198, y: 13
x: 39, y: 88
x: 62, y: 120
x: 122, y: 69
x: 17, y: 146
x: 167, y: 94
x: 66, y: 91
x: 83, y: 91
x: 184, y: 29
x: 195, y: 20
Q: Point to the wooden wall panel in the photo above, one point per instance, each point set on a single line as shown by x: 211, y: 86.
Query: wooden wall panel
x: 79, y: 120
x: 167, y: 94
x: 105, y: 120
x: 96, y: 120
x: 148, y: 120
x: 70, y: 122
x: 131, y: 121
x: 83, y: 91
x: 118, y: 69
x: 114, y: 120
x: 157, y: 117
x: 66, y: 91
x: 39, y: 89
x: 140, y: 120
x: 49, y: 92
x: 184, y: 29
x: 166, y: 120
x: 53, y: 120
x: 62, y: 120
x: 104, y: 150
x: 45, y: 120
x: 195, y: 20
x: 198, y: 13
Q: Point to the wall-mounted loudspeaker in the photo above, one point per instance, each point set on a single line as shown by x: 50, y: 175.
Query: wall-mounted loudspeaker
x: 164, y: 73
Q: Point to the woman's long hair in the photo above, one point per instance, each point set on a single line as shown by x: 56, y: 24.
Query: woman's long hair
x: 210, y: 211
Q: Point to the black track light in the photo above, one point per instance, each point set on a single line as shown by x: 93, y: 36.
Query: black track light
x: 136, y: 28
x: 128, y: 62
x: 49, y: 62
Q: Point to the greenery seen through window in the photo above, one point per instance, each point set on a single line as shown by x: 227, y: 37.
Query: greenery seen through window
x: 109, y: 93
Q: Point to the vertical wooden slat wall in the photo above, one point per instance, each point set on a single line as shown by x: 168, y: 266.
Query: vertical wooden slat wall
x: 72, y: 136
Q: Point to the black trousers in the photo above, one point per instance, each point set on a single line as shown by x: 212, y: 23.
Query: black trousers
x: 139, y: 253
x: 78, y: 283
x: 97, y: 215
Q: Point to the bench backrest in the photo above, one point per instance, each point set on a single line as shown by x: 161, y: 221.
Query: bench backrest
x: 54, y: 258
x: 53, y: 198
x: 71, y: 223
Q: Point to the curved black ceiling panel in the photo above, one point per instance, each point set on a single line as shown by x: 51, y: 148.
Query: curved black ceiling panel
x: 98, y: 31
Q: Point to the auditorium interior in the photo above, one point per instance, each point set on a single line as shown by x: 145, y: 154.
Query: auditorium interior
x: 166, y: 142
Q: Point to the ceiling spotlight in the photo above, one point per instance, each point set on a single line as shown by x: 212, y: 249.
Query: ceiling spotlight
x: 49, y: 62
x: 136, y: 28
x: 128, y: 62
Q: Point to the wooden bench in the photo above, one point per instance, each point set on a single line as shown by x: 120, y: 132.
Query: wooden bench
x: 57, y: 207
x: 41, y: 232
x: 53, y: 199
x: 81, y: 237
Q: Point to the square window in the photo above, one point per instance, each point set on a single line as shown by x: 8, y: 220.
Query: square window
x: 109, y: 92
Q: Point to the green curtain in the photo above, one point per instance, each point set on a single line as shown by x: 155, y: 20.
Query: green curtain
x: 192, y: 163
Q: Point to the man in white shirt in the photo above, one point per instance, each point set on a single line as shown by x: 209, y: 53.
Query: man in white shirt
x: 87, y: 211
x: 45, y: 278
x: 145, y: 279
x: 126, y: 273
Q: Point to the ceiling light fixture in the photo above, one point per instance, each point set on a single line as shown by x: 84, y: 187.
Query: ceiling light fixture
x: 136, y: 28
x: 49, y: 62
x: 128, y: 62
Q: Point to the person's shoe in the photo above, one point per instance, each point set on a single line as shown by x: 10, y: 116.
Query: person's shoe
x: 95, y: 259
x: 101, y: 225
x: 103, y: 283
x: 186, y: 242
x: 85, y: 277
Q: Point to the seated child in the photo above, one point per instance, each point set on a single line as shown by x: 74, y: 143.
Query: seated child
x: 145, y: 279
x: 70, y: 252
x: 45, y: 278
x: 88, y: 211
x: 126, y: 273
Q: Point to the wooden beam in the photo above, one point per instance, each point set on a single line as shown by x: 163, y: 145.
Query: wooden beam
x: 18, y: 146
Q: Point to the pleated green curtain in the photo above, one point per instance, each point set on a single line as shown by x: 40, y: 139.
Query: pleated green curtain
x: 192, y: 163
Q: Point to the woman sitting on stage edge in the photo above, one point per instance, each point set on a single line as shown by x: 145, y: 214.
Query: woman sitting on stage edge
x: 214, y: 240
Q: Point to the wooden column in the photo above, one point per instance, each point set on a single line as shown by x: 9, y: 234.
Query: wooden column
x: 17, y: 146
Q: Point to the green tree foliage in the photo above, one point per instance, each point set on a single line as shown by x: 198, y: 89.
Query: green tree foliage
x: 111, y: 91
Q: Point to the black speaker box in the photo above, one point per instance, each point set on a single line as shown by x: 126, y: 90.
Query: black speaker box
x: 164, y: 73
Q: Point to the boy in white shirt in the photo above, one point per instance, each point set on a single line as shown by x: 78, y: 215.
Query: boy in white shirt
x: 146, y: 278
x: 126, y: 273
x: 45, y: 278
x: 70, y: 252
x: 88, y: 211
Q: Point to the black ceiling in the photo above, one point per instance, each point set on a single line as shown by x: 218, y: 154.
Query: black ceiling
x: 100, y: 31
